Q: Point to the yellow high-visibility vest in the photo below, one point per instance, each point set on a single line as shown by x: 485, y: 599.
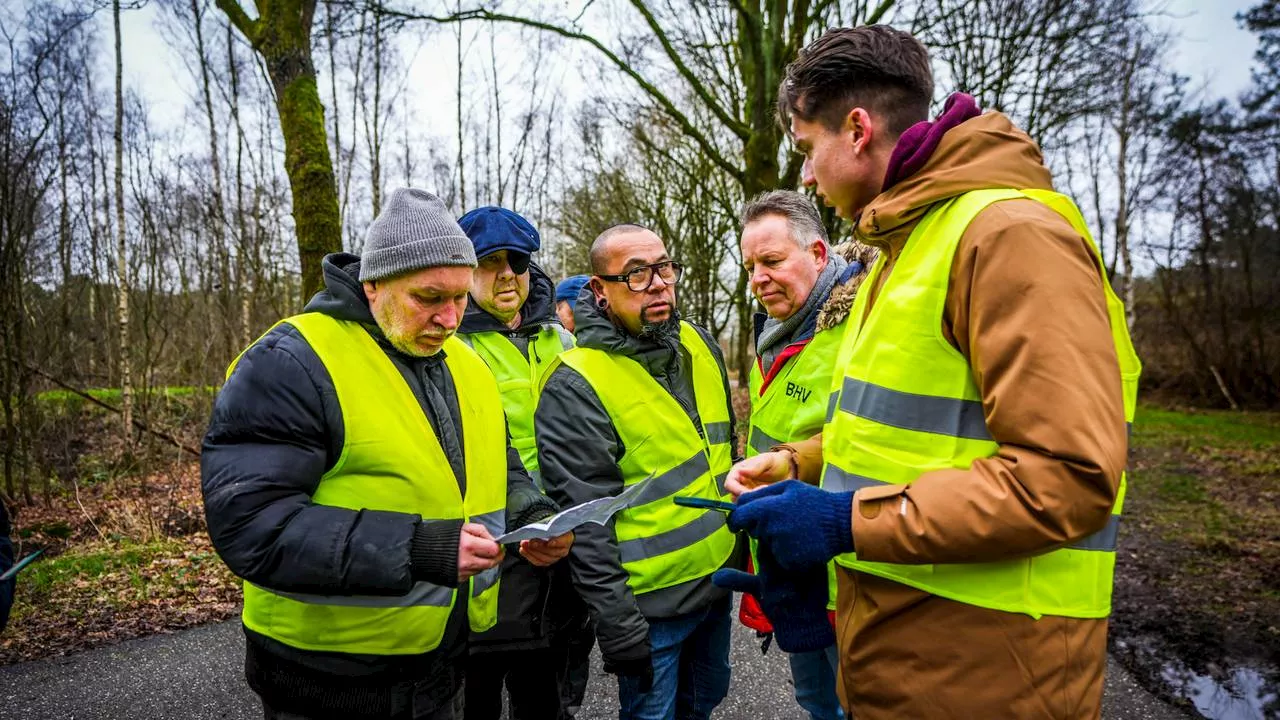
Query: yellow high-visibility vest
x: 904, y: 402
x: 662, y: 544
x: 518, y: 378
x: 793, y: 406
x: 391, y: 460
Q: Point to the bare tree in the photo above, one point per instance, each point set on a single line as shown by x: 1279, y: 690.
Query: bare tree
x: 1120, y: 146
x: 281, y: 34
x: 122, y: 247
x: 712, y: 70
x: 1037, y: 60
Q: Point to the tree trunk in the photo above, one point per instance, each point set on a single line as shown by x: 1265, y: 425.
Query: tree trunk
x: 217, y: 213
x: 247, y: 247
x: 375, y: 132
x: 462, y: 176
x: 282, y: 36
x: 122, y: 249
x: 315, y: 202
x: 331, y: 42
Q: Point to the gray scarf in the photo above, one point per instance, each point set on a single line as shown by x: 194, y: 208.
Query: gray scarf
x: 778, y: 334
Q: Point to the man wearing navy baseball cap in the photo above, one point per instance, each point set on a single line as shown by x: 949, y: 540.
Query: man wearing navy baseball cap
x: 566, y: 295
x: 511, y: 323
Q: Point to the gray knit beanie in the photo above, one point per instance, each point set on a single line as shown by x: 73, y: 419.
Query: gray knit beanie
x: 414, y: 231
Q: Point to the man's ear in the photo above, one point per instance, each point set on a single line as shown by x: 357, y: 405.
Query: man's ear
x: 820, y: 251
x: 859, y: 128
x: 597, y: 289
x: 370, y: 289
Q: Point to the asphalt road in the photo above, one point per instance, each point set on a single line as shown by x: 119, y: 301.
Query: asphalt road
x: 198, y: 675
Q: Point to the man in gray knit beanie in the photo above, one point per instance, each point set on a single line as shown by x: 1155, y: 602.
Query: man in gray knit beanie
x: 415, y: 249
x: 356, y: 473
x: 414, y: 231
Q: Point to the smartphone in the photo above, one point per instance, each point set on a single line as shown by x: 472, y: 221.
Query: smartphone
x: 697, y: 502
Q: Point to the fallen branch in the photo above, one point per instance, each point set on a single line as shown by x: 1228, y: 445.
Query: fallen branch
x: 168, y: 437
x: 1222, y: 385
x: 76, y: 484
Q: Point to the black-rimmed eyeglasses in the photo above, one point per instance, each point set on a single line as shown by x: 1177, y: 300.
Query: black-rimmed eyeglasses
x: 639, y: 279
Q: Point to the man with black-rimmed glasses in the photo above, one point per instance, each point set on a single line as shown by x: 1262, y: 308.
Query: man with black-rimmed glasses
x: 645, y: 395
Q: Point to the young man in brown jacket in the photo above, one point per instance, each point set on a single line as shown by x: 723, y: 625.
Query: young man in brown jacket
x: 974, y: 520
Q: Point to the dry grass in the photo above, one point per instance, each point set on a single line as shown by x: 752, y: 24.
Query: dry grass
x: 124, y: 558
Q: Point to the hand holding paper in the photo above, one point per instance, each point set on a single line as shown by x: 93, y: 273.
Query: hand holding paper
x: 546, y: 552
x: 596, y: 511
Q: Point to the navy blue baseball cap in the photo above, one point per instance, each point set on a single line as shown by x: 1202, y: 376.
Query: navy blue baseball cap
x: 495, y: 228
x: 569, y: 287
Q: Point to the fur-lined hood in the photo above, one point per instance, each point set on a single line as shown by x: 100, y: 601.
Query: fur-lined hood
x: 838, y: 304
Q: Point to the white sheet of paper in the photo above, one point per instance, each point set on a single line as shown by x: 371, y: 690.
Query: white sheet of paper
x: 593, y: 511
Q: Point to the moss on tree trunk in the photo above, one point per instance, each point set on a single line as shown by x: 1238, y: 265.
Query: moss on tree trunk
x: 307, y: 162
x: 282, y: 36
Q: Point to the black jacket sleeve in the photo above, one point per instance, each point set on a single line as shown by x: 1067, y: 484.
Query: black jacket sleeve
x: 525, y: 502
x: 276, y: 429
x: 578, y: 452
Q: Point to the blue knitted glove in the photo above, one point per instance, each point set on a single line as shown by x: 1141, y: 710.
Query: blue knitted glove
x: 803, y: 525
x: 795, y: 602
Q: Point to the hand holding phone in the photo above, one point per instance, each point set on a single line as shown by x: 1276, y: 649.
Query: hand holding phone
x: 697, y: 502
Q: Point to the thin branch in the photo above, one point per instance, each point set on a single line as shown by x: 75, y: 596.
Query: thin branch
x: 686, y: 125
x: 879, y: 13
x: 734, y: 125
x: 107, y: 406
x: 76, y: 484
x: 240, y: 19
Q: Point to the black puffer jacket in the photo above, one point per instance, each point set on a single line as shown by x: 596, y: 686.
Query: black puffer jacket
x: 579, y: 451
x: 276, y: 429
x: 533, y: 602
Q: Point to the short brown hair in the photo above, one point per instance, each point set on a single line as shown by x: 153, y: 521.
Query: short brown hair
x: 874, y: 66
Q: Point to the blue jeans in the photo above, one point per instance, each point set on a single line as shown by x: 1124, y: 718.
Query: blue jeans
x: 815, y: 677
x: 690, y: 668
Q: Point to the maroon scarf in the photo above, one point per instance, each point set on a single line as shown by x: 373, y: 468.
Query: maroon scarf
x: 915, y: 146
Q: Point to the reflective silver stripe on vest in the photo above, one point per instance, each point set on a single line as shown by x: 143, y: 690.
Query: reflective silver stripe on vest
x: 925, y: 413
x: 682, y: 537
x: 1103, y: 540
x: 720, y: 481
x: 485, y: 580
x: 672, y: 481
x: 566, y: 337
x: 836, y: 480
x: 496, y: 523
x: 717, y: 432
x: 536, y: 477
x: 422, y: 594
x: 760, y: 440
x: 831, y: 406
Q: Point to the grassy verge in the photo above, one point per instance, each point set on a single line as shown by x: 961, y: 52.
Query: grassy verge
x: 1198, y: 568
x: 118, y: 565
x: 1210, y: 481
x: 112, y: 395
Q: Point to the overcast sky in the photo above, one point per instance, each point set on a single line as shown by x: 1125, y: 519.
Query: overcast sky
x: 1213, y: 50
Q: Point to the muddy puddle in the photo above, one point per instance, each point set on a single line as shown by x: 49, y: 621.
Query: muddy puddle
x: 1221, y: 689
